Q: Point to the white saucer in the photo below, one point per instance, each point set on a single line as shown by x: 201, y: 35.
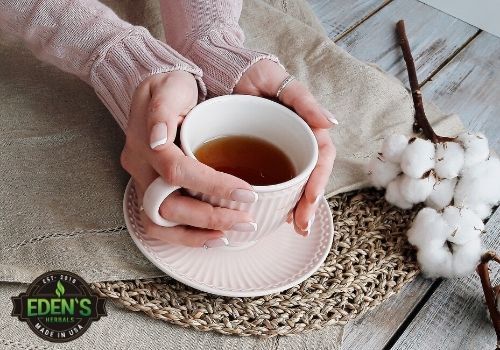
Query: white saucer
x: 278, y: 262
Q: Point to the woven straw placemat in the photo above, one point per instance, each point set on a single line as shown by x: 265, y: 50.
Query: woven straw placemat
x: 369, y: 261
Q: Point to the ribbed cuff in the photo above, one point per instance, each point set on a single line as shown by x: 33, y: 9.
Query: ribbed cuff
x: 120, y: 66
x: 223, y: 60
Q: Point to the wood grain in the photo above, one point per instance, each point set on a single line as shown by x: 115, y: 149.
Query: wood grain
x: 328, y: 338
x: 339, y: 16
x: 455, y: 316
x: 469, y: 85
x: 434, y: 36
x: 374, y: 329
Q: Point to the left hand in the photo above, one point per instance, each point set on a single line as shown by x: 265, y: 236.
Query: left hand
x: 263, y: 78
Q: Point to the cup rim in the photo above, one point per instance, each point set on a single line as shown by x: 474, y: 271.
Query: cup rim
x: 299, y: 178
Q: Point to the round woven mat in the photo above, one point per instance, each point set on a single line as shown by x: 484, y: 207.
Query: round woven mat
x: 370, y: 260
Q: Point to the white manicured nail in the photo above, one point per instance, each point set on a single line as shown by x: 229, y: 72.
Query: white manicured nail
x: 318, y: 198
x: 329, y: 115
x: 218, y: 242
x: 244, y: 196
x: 158, y: 135
x: 245, y: 227
x: 309, y: 224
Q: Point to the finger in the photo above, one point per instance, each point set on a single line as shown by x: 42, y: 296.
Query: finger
x: 304, y: 216
x: 183, y: 235
x: 321, y: 173
x: 189, y: 211
x: 315, y: 186
x: 298, y: 97
x: 178, y: 169
x: 165, y: 107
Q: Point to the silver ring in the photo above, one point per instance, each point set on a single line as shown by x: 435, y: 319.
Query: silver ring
x: 283, y: 85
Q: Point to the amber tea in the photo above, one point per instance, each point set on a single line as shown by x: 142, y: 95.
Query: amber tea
x: 258, y: 162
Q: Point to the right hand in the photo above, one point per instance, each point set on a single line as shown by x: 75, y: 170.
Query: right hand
x: 158, y: 107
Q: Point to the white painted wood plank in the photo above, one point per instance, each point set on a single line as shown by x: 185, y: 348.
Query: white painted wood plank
x: 434, y: 37
x: 455, y: 316
x: 328, y: 338
x: 375, y: 328
x: 339, y: 16
x: 469, y: 85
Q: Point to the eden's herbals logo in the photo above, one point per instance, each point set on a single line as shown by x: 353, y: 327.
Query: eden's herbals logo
x: 59, y: 306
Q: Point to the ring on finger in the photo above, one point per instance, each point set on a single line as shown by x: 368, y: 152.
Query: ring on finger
x: 284, y: 84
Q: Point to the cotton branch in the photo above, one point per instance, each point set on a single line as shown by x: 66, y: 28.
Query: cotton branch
x: 421, y: 122
x: 490, y: 292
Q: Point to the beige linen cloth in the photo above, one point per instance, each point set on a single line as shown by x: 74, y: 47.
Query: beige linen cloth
x: 61, y: 182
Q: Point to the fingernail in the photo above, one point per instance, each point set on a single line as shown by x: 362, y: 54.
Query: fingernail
x: 244, y: 196
x: 245, y: 227
x: 309, y: 223
x: 217, y: 242
x: 307, y: 231
x: 158, y: 135
x: 329, y: 115
x: 318, y: 198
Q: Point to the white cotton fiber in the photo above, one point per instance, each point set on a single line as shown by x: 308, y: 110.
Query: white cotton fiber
x: 428, y: 229
x: 476, y: 147
x: 393, y: 147
x: 436, y: 261
x: 416, y: 190
x: 441, y: 194
x: 479, y: 186
x: 481, y: 209
x: 381, y: 171
x: 449, y: 160
x: 418, y: 158
x: 463, y: 225
x: 393, y: 194
x: 466, y: 257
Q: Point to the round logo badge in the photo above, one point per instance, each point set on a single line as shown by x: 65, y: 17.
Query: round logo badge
x: 59, y: 306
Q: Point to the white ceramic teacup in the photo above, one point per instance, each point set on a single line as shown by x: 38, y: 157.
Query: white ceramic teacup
x: 248, y: 116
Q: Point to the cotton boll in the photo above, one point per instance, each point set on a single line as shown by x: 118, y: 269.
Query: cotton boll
x: 436, y: 261
x: 449, y: 160
x: 463, y: 225
x: 489, y: 172
x: 393, y: 194
x: 476, y: 148
x: 482, y: 210
x: 381, y: 171
x: 441, y: 194
x: 466, y: 257
x: 393, y: 147
x: 416, y: 190
x: 418, y: 158
x: 479, y: 185
x: 428, y: 229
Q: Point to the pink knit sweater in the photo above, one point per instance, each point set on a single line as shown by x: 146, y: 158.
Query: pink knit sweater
x: 87, y: 39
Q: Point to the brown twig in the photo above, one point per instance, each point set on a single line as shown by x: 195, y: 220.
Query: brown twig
x: 421, y: 123
x: 490, y: 292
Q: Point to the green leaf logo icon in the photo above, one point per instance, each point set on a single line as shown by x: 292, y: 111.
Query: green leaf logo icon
x: 59, y: 289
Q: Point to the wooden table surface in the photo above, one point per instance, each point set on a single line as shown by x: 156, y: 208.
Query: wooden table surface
x: 459, y: 67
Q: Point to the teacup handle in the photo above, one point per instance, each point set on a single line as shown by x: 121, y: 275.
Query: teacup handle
x: 154, y: 195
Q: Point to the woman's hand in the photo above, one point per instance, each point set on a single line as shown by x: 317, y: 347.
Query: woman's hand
x: 158, y: 106
x: 263, y: 78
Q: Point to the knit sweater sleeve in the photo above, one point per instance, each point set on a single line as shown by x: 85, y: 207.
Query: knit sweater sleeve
x: 86, y: 38
x: 208, y: 33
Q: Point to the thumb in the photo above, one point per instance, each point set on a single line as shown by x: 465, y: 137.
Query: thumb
x: 165, y: 109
